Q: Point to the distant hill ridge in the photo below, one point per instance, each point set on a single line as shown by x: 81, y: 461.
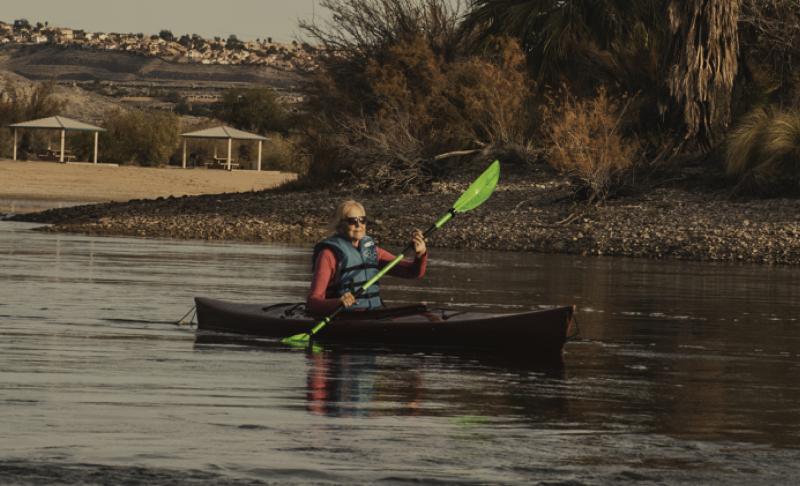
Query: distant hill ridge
x: 67, y: 63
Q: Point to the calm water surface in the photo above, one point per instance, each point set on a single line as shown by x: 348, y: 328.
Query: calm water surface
x: 684, y: 372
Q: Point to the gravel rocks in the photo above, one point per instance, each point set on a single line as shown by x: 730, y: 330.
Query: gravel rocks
x: 522, y: 215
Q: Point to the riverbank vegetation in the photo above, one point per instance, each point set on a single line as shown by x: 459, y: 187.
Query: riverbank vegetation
x: 413, y: 90
x: 614, y: 97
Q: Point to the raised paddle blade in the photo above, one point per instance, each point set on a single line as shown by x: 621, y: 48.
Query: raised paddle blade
x: 480, y: 190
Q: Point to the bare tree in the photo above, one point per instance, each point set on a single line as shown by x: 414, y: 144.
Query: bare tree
x: 361, y: 27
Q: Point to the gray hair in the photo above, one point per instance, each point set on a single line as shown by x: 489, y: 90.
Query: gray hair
x: 335, y: 224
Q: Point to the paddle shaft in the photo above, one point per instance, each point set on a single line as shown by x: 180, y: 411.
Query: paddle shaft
x: 369, y: 283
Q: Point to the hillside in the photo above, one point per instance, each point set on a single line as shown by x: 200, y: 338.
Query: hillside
x: 69, y: 64
x: 94, y: 82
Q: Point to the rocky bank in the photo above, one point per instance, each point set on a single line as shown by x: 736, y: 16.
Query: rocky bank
x: 525, y: 214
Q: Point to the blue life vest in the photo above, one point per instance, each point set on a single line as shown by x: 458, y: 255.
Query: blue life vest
x: 354, y: 267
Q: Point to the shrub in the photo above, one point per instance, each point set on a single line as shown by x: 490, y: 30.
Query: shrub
x: 492, y: 92
x: 17, y: 105
x: 387, y: 153
x: 253, y: 109
x: 280, y: 153
x: 586, y: 143
x: 415, y: 106
x: 379, y: 102
x: 763, y: 152
x: 145, y: 138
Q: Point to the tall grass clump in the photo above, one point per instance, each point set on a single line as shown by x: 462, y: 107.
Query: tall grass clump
x: 587, y: 144
x: 763, y: 153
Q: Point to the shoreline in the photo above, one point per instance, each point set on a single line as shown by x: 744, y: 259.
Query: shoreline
x: 526, y: 213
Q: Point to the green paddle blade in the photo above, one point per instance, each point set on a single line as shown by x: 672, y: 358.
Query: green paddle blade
x: 297, y: 339
x: 480, y: 190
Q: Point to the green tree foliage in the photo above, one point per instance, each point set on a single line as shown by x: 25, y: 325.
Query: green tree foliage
x: 280, y: 153
x: 254, y: 109
x: 17, y: 105
x: 573, y: 42
x: 144, y: 138
x: 166, y: 35
x: 233, y: 42
x: 28, y: 104
x: 21, y: 24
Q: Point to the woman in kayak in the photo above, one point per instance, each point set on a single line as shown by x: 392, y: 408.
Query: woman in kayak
x: 348, y: 258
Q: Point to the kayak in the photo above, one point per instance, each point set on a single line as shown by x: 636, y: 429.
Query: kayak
x: 541, y: 333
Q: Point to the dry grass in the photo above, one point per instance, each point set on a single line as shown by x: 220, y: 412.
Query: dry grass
x: 586, y: 143
x: 763, y: 152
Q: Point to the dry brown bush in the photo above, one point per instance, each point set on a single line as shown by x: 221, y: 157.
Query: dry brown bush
x: 423, y: 106
x: 586, y: 143
x: 492, y: 92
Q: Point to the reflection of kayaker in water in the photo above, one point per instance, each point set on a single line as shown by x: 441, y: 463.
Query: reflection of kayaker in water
x: 353, y: 385
x: 348, y: 258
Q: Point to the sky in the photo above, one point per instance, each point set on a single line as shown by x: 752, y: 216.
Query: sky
x: 247, y: 19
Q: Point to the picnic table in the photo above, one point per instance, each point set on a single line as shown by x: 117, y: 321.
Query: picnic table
x: 222, y: 163
x: 51, y: 154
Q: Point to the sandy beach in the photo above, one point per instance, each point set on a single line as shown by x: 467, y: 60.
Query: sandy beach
x: 33, y: 186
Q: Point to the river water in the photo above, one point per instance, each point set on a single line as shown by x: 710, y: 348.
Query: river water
x: 683, y: 372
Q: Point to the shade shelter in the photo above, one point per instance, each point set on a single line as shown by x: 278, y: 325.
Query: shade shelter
x: 224, y: 132
x: 61, y: 123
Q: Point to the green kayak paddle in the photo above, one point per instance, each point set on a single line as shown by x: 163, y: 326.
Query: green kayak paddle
x: 475, y: 195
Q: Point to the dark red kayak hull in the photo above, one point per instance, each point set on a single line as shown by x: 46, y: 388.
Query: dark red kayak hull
x: 541, y: 333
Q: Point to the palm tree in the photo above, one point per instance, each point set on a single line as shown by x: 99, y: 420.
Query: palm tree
x: 568, y: 40
x: 687, y: 58
x: 702, y: 63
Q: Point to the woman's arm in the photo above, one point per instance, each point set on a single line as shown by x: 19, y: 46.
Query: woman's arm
x: 406, y: 268
x: 325, y: 271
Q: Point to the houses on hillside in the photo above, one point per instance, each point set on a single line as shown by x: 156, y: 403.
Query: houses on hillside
x: 190, y: 49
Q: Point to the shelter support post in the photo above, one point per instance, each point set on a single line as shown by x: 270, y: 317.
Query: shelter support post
x: 260, y: 143
x: 61, y: 156
x: 183, y: 164
x: 230, y: 147
x: 96, y: 135
x: 15, y: 144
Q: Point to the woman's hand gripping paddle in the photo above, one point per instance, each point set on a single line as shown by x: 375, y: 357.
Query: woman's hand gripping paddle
x: 475, y: 195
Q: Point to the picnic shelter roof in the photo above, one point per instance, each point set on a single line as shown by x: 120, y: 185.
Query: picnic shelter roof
x: 223, y: 131
x: 58, y: 123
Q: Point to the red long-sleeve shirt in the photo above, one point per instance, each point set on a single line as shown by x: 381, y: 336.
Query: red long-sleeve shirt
x: 319, y: 303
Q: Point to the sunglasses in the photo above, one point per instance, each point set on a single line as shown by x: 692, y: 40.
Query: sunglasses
x: 356, y: 220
